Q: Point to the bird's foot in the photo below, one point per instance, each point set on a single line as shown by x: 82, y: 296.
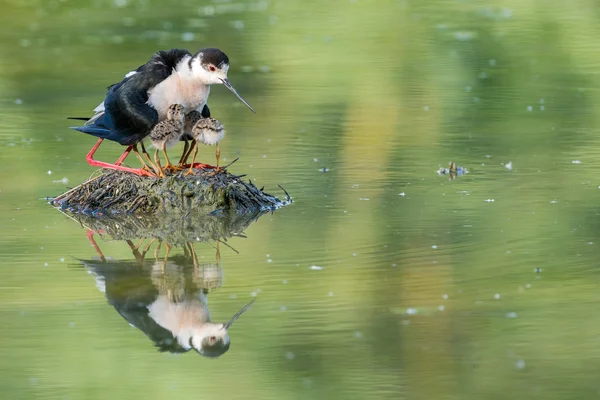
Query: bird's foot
x: 137, y: 171
x: 180, y: 167
x: 216, y: 169
x: 190, y: 172
x: 149, y: 171
x: 198, y: 166
x: 170, y: 167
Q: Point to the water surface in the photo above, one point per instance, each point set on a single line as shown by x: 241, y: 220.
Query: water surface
x: 383, y: 279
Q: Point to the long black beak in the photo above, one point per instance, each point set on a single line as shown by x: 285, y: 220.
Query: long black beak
x: 230, y: 87
x: 236, y: 316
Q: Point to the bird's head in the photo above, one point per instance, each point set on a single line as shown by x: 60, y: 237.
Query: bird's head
x: 210, y: 66
x: 213, y: 340
x: 176, y: 112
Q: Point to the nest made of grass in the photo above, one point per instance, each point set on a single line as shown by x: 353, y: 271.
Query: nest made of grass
x: 206, y: 191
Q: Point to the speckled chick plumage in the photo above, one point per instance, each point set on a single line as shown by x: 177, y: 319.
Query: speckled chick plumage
x: 190, y: 120
x: 169, y: 131
x: 208, y: 131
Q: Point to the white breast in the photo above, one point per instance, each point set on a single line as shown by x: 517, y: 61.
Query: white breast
x: 175, y: 90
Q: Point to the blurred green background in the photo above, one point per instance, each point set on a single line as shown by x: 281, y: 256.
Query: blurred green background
x: 428, y: 288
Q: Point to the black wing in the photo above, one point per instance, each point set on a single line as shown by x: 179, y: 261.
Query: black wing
x: 127, y: 117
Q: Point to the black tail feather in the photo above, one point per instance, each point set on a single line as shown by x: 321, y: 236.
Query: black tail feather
x: 80, y: 118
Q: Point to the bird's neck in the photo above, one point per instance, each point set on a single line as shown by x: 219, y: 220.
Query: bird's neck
x: 181, y: 87
x: 184, y: 71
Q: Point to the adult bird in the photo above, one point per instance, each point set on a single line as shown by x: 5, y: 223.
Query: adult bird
x: 135, y: 105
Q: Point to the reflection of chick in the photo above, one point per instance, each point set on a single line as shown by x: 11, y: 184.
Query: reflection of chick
x: 169, y: 280
x: 208, y: 277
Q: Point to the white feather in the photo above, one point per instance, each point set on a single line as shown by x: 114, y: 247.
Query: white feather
x: 185, y: 86
x: 210, y: 137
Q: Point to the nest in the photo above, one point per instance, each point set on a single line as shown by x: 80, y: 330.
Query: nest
x: 205, y: 192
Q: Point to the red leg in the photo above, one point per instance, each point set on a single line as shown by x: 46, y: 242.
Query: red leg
x: 124, y: 155
x: 117, y: 165
x: 90, y: 236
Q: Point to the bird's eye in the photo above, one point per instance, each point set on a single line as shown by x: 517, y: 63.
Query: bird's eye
x: 212, y: 340
x: 212, y: 68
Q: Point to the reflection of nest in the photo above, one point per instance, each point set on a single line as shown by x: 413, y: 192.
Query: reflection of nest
x: 171, y: 229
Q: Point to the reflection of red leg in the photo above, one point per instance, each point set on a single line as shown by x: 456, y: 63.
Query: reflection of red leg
x: 117, y: 165
x: 90, y: 236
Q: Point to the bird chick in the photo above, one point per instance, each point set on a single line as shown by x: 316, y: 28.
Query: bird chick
x: 167, y: 133
x: 210, y: 132
x: 189, y: 122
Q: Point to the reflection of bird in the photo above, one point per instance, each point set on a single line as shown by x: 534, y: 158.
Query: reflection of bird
x: 161, y: 300
x: 208, y: 131
x: 133, y: 106
x: 189, y: 322
x: 166, y: 133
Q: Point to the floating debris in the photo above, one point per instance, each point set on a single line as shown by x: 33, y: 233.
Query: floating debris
x: 316, y: 268
x: 64, y: 181
x: 452, y: 171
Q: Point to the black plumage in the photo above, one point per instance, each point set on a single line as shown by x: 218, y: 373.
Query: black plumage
x: 127, y: 117
x: 212, y: 56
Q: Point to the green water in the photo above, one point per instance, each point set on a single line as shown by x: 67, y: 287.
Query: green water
x: 485, y: 286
